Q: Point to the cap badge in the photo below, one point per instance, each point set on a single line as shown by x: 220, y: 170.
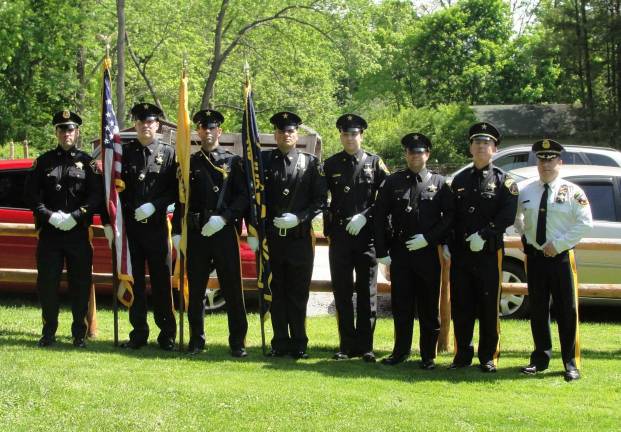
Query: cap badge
x: 416, y: 137
x: 545, y: 144
x: 66, y: 114
x: 349, y: 117
x: 484, y: 126
x: 285, y: 115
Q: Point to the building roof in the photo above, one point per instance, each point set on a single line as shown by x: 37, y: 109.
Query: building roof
x: 530, y: 121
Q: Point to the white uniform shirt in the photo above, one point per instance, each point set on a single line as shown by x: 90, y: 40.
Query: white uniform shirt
x: 568, y: 216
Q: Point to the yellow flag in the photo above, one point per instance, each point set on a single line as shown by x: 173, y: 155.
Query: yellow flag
x: 184, y: 133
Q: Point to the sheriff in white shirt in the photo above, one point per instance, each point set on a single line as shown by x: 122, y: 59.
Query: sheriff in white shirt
x: 553, y: 215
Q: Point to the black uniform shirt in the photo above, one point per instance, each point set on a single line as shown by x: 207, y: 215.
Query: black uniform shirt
x: 149, y: 174
x: 485, y: 202
x: 352, y: 195
x: 67, y: 181
x: 414, y: 204
x: 294, y: 183
x: 206, y: 185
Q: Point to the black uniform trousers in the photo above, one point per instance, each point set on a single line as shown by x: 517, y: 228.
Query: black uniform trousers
x: 53, y: 249
x: 291, y: 262
x: 219, y: 251
x: 349, y: 254
x: 148, y: 242
x: 475, y: 292
x: 556, y: 277
x: 415, y: 280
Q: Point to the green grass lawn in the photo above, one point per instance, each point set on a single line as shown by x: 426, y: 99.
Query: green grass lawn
x: 105, y: 389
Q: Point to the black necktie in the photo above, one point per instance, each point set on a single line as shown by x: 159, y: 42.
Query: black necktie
x: 541, y: 216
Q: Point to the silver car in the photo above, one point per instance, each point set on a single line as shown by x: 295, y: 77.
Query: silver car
x: 602, y: 184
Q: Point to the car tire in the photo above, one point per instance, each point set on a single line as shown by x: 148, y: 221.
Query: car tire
x: 214, y: 300
x: 513, y: 305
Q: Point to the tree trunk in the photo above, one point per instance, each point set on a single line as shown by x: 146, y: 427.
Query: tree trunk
x: 80, y: 70
x: 120, y: 64
x: 587, y: 64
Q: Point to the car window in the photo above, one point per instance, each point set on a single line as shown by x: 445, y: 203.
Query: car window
x: 512, y: 161
x: 571, y: 158
x: 12, y: 189
x: 600, y: 159
x: 601, y: 197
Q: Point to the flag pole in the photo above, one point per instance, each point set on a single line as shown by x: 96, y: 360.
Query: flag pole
x: 257, y: 253
x: 181, y: 254
x: 115, y: 275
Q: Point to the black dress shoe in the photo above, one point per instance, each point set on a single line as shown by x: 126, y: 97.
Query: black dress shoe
x: 193, y: 350
x: 571, y: 375
x: 130, y: 344
x: 167, y: 345
x: 276, y: 353
x: 79, y: 343
x: 46, y: 341
x: 239, y: 353
x: 395, y: 359
x: 427, y: 364
x: 369, y: 357
x: 456, y: 365
x: 299, y: 355
x: 531, y: 369
x: 340, y: 356
x: 488, y: 367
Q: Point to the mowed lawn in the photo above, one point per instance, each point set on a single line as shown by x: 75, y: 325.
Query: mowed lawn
x: 107, y: 389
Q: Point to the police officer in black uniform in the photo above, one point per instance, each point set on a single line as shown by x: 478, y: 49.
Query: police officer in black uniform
x: 296, y: 193
x: 417, y: 207
x: 485, y: 202
x: 353, y: 177
x: 218, y: 200
x: 64, y: 189
x: 149, y: 174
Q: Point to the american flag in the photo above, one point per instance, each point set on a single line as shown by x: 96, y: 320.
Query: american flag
x: 111, y: 161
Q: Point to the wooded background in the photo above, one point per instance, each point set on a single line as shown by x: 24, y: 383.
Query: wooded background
x: 403, y: 65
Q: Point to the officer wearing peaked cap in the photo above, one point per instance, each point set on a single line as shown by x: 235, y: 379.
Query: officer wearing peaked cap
x: 64, y: 189
x: 218, y: 200
x: 417, y: 206
x: 149, y: 175
x: 553, y: 215
x: 295, y: 193
x: 353, y: 177
x: 485, y: 203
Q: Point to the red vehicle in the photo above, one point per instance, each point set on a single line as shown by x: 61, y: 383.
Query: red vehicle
x: 17, y: 251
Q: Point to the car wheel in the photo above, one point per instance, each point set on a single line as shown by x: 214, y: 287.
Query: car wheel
x: 513, y: 305
x: 214, y: 300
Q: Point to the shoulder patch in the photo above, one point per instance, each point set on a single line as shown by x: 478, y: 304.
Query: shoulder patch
x: 512, y: 186
x: 383, y: 166
x: 581, y: 199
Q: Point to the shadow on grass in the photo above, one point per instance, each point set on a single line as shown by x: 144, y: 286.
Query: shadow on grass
x: 320, y: 361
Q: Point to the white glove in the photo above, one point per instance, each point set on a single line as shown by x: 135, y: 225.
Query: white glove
x: 446, y: 253
x: 357, y: 222
x: 286, y: 221
x: 176, y: 239
x: 144, y: 211
x: 67, y: 223
x: 476, y: 242
x: 385, y: 260
x: 109, y: 234
x: 417, y: 241
x: 56, y: 219
x: 213, y: 225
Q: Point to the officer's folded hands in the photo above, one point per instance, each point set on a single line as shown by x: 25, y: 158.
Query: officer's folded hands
x: 476, y: 242
x: 213, y: 225
x: 286, y: 221
x: 357, y: 222
x: 144, y: 211
x: 417, y: 241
